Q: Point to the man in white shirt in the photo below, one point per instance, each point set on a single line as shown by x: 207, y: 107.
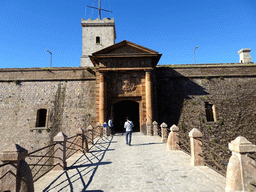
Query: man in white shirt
x: 128, y: 125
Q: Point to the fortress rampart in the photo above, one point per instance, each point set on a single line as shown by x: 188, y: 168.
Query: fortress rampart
x: 180, y: 96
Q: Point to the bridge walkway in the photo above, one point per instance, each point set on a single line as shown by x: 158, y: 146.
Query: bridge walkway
x: 146, y: 166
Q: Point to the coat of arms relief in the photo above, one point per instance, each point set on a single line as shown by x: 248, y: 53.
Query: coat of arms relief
x: 125, y: 84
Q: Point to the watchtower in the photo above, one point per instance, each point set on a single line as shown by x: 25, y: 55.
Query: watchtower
x: 245, y: 56
x: 97, y: 34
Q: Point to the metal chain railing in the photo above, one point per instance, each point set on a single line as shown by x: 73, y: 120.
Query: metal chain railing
x: 184, y: 143
x: 216, y: 156
x: 96, y: 132
x: 71, y: 146
x: 41, y: 161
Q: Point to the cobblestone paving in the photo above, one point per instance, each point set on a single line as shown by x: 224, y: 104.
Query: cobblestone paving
x: 113, y: 166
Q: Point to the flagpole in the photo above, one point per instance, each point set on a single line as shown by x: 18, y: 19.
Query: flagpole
x: 99, y: 10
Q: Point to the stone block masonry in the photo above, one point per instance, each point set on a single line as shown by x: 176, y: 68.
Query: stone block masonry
x: 68, y: 95
x: 181, y: 95
x: 184, y: 92
x: 97, y: 34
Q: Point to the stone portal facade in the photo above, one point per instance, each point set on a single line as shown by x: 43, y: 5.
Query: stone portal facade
x: 124, y: 72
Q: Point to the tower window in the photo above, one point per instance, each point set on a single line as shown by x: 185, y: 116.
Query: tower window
x: 97, y: 40
x: 209, y: 109
x: 41, y: 117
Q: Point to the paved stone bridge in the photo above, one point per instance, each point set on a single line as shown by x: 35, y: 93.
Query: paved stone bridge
x: 111, y: 165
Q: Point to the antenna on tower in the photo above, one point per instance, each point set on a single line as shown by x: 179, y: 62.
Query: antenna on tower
x: 99, y: 8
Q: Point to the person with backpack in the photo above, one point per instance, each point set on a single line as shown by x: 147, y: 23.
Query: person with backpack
x: 128, y: 125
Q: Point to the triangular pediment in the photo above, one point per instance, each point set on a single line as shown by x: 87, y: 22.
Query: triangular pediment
x: 125, y: 55
x: 125, y: 48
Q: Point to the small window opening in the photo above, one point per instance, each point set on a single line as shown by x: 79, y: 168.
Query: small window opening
x: 97, y: 40
x: 209, y: 111
x: 41, y: 117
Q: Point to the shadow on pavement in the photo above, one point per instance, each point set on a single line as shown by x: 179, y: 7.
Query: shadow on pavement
x: 147, y: 144
x: 86, y: 165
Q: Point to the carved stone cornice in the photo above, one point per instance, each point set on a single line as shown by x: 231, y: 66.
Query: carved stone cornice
x: 104, y: 70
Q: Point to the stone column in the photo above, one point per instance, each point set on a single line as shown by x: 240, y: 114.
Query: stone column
x: 149, y: 96
x: 241, y: 170
x: 149, y: 129
x: 196, y: 147
x: 164, y: 132
x: 173, y: 139
x: 60, y: 151
x: 17, y: 175
x: 155, y: 128
x: 101, y: 98
x: 81, y: 144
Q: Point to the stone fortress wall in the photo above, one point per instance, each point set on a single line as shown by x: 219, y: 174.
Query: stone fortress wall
x: 68, y: 95
x: 183, y: 90
x: 180, y: 95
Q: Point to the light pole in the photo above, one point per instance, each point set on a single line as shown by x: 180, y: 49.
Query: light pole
x: 195, y: 53
x: 51, y: 57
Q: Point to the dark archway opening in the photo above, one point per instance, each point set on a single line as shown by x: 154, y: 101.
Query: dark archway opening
x: 123, y: 109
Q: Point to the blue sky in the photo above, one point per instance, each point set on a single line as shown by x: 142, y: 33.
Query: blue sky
x: 172, y: 27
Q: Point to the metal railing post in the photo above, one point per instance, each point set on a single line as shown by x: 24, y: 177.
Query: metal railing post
x: 60, y: 154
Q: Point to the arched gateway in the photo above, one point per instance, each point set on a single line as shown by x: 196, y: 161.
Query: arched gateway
x: 123, y: 109
x: 124, y: 73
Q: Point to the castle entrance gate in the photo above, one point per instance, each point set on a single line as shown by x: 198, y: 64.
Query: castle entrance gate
x: 123, y: 109
x: 124, y: 83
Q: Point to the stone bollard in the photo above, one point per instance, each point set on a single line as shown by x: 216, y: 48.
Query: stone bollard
x: 164, y: 131
x: 90, y: 134
x: 155, y: 128
x: 196, y: 147
x: 16, y: 176
x: 81, y: 144
x: 241, y: 170
x: 99, y: 130
x: 60, y: 151
x: 149, y: 129
x: 173, y: 138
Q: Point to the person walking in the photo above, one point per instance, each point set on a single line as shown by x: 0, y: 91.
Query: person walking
x: 128, y: 125
x: 110, y: 124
